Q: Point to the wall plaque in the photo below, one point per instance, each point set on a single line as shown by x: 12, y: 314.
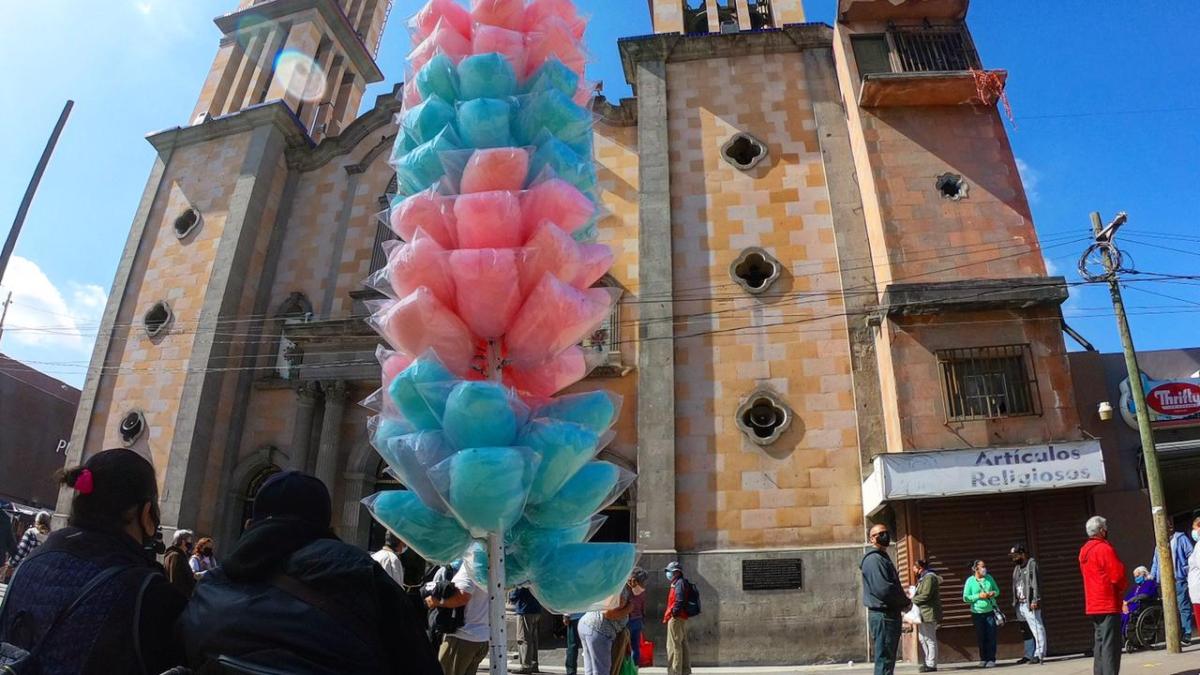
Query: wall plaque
x: 780, y: 574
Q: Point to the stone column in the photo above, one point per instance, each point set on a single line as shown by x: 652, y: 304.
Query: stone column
x: 306, y: 400
x: 331, y: 428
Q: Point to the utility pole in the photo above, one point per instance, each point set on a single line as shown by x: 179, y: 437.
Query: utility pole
x: 4, y: 314
x: 1162, y: 526
x: 11, y: 242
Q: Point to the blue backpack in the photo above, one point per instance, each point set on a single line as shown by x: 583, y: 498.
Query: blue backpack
x: 691, y: 598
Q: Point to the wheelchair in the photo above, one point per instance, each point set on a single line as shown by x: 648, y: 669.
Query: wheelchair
x: 1145, y: 627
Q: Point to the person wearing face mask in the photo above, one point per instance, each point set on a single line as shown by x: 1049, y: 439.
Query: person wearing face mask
x: 637, y: 612
x: 884, y: 599
x: 1144, y: 590
x: 980, y: 592
x: 1193, y: 573
x: 1180, y: 545
x: 202, y: 560
x: 1103, y: 582
x: 175, y: 560
x: 92, y: 599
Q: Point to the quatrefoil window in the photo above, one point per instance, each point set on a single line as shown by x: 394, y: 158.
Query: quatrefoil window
x: 763, y: 417
x: 744, y: 151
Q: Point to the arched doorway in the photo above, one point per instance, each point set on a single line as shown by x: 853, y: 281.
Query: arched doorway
x: 251, y: 492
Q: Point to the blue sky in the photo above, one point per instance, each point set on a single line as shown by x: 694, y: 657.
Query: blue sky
x: 1103, y: 94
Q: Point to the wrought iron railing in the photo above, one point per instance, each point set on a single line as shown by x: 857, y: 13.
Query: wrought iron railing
x: 924, y: 49
x: 982, y: 383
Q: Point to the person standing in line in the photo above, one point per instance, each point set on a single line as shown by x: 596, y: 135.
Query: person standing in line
x: 529, y: 620
x: 679, y: 661
x: 463, y: 650
x: 637, y: 612
x: 884, y: 599
x: 599, y: 632
x: 33, y: 537
x: 1103, y: 583
x: 1027, y: 603
x: 388, y: 557
x: 1181, y: 546
x: 980, y: 592
x: 928, y: 600
x: 573, y: 644
x: 202, y: 560
x: 1193, y: 573
x: 179, y: 572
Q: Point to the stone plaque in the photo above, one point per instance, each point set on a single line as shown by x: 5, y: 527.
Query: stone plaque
x: 781, y: 574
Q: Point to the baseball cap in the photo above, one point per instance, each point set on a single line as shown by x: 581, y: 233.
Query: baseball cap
x: 292, y: 494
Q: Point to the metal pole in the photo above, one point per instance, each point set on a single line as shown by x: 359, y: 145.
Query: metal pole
x: 498, y: 642
x: 4, y: 314
x: 11, y: 242
x: 1158, y: 511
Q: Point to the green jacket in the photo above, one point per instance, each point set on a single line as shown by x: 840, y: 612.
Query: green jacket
x: 974, y: 587
x: 927, y: 598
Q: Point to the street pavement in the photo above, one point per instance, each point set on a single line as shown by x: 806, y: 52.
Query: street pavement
x: 1154, y: 662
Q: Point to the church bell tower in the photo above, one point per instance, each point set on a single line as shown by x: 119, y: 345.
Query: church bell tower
x: 723, y: 16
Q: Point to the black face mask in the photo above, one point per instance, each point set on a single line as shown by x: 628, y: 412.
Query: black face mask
x: 883, y: 539
x: 152, y: 546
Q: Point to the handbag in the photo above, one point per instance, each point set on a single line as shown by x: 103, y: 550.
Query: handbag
x: 628, y: 667
x: 913, y: 616
x: 999, y: 616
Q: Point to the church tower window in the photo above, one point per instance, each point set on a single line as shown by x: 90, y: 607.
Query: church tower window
x: 187, y: 222
x: 157, y: 318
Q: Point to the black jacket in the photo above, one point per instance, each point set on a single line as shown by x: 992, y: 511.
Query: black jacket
x: 881, y: 584
x: 98, y: 636
x: 362, y: 622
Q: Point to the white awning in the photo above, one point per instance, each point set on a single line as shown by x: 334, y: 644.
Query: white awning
x: 977, y: 471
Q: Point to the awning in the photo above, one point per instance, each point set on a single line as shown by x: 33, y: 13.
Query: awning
x: 976, y: 471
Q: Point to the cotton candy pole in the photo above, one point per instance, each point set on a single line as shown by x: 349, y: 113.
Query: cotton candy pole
x: 497, y: 600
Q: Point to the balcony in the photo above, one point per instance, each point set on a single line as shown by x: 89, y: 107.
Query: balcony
x: 894, y: 10
x: 923, y: 66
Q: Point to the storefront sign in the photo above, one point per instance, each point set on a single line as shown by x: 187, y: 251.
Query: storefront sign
x: 1171, y: 403
x: 952, y: 473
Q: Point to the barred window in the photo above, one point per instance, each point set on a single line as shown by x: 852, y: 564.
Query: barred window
x: 982, y: 383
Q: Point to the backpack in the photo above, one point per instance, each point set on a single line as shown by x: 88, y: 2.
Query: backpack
x: 443, y: 620
x: 691, y: 598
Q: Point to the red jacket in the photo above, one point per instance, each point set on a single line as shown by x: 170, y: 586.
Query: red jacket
x: 1104, y: 579
x: 675, y: 602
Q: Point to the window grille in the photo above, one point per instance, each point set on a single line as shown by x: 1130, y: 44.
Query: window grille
x: 983, y: 383
x: 916, y: 49
x: 606, y: 339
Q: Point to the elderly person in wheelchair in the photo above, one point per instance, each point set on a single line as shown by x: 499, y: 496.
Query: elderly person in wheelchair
x: 1142, y: 614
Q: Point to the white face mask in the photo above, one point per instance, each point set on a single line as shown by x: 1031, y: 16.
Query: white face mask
x: 638, y: 590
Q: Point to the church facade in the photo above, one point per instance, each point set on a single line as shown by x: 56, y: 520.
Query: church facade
x: 827, y: 264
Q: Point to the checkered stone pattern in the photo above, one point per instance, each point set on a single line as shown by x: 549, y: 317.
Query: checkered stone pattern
x: 803, y: 490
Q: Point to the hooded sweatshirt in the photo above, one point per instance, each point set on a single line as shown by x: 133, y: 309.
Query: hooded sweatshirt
x: 1103, y: 577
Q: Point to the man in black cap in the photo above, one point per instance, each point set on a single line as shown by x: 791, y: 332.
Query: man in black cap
x: 291, y: 597
x: 1027, y: 603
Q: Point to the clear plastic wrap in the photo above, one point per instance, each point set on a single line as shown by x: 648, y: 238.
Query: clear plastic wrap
x: 490, y: 170
x: 554, y: 317
x: 488, y: 75
x: 382, y: 428
x: 424, y: 121
x: 443, y: 40
x: 550, y: 377
x: 486, y: 123
x: 553, y: 75
x: 564, y: 448
x: 419, y: 323
x: 488, y: 220
x: 549, y: 251
x: 437, y: 537
x: 392, y: 363
x: 516, y: 571
x: 414, y: 399
x: 508, y: 14
x: 591, y: 489
x: 484, y: 487
x: 538, y: 12
x: 575, y: 577
x: 595, y: 260
x: 422, y: 24
x: 559, y: 202
x: 508, y: 43
x: 596, y: 410
x: 553, y: 111
x: 410, y: 458
x: 422, y: 168
x: 428, y: 211
x: 554, y: 157
x: 483, y: 414
x: 421, y: 262
x: 554, y: 39
x: 488, y: 291
x: 438, y: 77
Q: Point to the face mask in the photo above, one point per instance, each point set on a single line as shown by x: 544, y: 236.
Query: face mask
x: 638, y: 590
x: 1139, y: 579
x: 883, y: 539
x: 983, y: 572
x: 1196, y: 536
x: 670, y: 575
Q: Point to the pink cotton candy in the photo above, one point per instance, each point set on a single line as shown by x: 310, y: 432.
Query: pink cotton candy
x: 393, y: 364
x: 410, y: 96
x: 428, y: 211
x: 508, y: 43
x: 551, y: 377
x: 554, y: 317
x: 508, y: 14
x: 559, y: 202
x: 419, y: 323
x: 595, y: 260
x: 584, y: 95
x: 488, y: 291
x: 549, y: 251
x: 488, y: 220
x: 422, y: 262
x: 444, y: 39
x: 495, y: 169
x: 554, y: 39
x: 539, y: 12
x: 454, y: 14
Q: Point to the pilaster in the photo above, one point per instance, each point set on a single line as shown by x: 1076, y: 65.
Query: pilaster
x: 306, y: 402
x: 331, y: 433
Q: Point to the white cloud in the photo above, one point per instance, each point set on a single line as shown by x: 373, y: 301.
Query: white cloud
x: 1031, y: 177
x: 144, y: 7
x: 41, y: 315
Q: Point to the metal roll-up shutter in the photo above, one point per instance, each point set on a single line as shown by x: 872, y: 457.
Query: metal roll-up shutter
x: 1057, y: 520
x: 956, y: 532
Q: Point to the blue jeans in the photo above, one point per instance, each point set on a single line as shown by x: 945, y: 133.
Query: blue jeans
x: 572, y: 646
x: 635, y: 639
x: 985, y: 634
x: 1185, y: 607
x: 885, y: 636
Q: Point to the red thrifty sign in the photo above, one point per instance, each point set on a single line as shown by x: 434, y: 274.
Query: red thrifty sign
x: 1177, y: 399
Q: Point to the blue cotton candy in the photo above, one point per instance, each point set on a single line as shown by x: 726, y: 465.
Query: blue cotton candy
x: 581, y: 496
x: 417, y: 402
x: 389, y: 429
x: 553, y: 111
x: 411, y: 457
x: 516, y: 571
x: 564, y: 447
x: 424, y: 121
x: 480, y: 415
x: 485, y: 487
x: 486, y: 76
x: 439, y: 77
x: 558, y: 157
x: 534, y: 543
x: 595, y: 410
x: 421, y: 168
x: 485, y: 123
x: 436, y: 537
x: 553, y: 75
x: 574, y: 577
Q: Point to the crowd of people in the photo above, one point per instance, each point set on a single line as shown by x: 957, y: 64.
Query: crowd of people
x: 1112, y: 604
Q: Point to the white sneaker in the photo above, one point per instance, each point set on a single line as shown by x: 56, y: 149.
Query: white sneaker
x: 989, y: 664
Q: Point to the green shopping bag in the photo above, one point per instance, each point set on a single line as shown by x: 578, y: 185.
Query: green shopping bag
x: 628, y: 667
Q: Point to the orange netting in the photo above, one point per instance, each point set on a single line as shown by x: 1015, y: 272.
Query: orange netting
x: 990, y: 87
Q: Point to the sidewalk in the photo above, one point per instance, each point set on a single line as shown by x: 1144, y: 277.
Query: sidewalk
x: 1155, y: 662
